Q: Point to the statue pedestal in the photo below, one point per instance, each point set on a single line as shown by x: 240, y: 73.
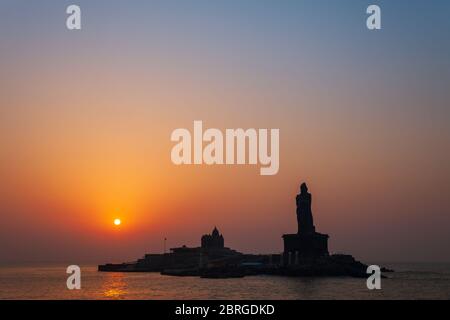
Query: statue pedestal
x: 305, y: 245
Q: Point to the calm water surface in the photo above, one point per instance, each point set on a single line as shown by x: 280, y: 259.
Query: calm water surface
x: 411, y: 281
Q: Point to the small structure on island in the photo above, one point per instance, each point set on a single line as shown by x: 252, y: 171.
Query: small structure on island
x: 211, y: 252
x: 306, y: 243
x: 213, y: 240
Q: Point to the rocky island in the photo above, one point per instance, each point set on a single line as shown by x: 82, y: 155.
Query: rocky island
x: 305, y: 254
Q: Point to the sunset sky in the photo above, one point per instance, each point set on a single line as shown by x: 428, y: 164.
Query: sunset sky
x: 86, y: 118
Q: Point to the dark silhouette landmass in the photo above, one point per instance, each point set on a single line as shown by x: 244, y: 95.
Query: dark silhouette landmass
x: 305, y: 254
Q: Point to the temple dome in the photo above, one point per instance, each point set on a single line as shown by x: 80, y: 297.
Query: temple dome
x: 213, y: 241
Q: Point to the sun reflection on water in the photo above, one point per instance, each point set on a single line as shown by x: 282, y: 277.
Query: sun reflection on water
x: 115, y: 286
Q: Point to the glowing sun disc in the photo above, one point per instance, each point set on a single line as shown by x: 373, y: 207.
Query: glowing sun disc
x: 117, y: 222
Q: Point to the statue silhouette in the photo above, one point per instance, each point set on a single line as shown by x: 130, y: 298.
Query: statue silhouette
x: 304, y: 213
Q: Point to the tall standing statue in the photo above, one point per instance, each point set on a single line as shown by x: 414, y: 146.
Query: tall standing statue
x: 304, y: 213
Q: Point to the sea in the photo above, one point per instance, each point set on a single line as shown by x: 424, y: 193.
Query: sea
x: 48, y: 282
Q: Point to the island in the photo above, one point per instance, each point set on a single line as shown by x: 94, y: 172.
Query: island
x: 305, y: 254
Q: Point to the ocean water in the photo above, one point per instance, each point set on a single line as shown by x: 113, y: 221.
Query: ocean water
x: 410, y: 281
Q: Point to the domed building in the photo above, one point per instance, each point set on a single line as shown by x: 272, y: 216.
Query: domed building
x: 213, y: 241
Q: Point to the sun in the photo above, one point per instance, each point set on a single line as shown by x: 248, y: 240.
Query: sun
x: 117, y: 222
